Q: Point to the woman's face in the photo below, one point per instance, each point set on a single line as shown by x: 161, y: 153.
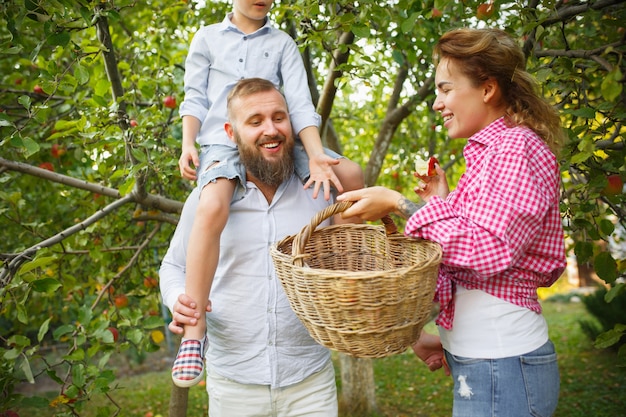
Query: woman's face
x: 463, y: 106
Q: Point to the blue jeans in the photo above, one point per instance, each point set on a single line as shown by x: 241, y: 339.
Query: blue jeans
x: 519, y: 386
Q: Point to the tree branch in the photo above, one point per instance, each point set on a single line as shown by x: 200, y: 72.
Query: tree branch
x: 149, y: 200
x: 11, y: 267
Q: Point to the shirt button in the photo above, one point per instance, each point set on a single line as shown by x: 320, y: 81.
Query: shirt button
x: 245, y: 38
x: 240, y: 59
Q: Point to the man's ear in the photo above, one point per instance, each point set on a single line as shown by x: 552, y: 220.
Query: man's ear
x: 228, y: 127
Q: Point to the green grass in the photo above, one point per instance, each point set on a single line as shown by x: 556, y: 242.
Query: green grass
x: 592, y: 385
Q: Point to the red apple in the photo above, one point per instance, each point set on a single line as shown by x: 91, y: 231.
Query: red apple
x: 150, y: 282
x: 121, y: 301
x: 37, y: 89
x: 133, y: 123
x: 57, y: 151
x: 115, y: 333
x: 615, y: 185
x: 437, y: 12
x: 485, y: 11
x: 169, y: 102
x: 425, y: 168
x: 47, y: 165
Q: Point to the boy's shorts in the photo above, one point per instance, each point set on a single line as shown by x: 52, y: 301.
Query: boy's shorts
x: 225, y: 163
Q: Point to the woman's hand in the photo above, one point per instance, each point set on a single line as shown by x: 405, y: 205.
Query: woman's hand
x: 429, y: 186
x: 428, y: 348
x: 372, y: 203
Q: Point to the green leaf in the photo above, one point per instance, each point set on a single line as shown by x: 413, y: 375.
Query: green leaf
x: 361, y: 31
x: 59, y: 39
x: 608, y: 338
x: 46, y: 285
x: 614, y: 292
x: 77, y: 355
x: 153, y: 322
x: 39, y: 262
x: 580, y: 157
x: 25, y: 101
x: 605, y: 266
x: 43, y: 329
x: 62, y: 331
x: 606, y: 227
x: 583, y: 251
x: 586, y: 112
x: 81, y: 74
x: 128, y: 185
x: 78, y: 375
x: 22, y: 314
x: 19, y: 341
x: 611, y: 86
x: 25, y: 368
x: 30, y: 147
x: 134, y: 335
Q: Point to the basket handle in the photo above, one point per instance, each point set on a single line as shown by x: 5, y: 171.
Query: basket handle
x: 302, y: 238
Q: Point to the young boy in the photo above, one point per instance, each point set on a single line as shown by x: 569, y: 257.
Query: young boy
x: 243, y: 45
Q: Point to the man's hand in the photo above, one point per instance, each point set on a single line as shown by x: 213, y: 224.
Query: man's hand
x: 322, y: 175
x: 185, y: 314
x: 428, y: 348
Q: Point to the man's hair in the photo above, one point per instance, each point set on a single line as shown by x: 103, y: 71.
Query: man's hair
x: 247, y: 87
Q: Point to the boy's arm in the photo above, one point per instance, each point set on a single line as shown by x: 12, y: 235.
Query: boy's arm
x: 189, y: 160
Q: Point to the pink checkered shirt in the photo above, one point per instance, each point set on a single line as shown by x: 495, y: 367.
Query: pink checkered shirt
x: 500, y: 229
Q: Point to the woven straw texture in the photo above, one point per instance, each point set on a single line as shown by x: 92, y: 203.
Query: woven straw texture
x: 360, y: 289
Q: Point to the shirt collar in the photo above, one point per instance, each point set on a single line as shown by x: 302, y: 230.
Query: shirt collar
x: 227, y: 24
x: 489, y: 134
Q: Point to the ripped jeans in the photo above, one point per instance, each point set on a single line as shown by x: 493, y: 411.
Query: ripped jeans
x: 519, y: 386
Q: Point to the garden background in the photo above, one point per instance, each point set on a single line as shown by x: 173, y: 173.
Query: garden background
x: 90, y: 191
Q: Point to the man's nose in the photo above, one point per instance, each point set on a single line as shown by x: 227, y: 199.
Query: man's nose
x: 269, y: 128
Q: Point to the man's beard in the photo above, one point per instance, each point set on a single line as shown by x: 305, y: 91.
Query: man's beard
x: 271, y: 172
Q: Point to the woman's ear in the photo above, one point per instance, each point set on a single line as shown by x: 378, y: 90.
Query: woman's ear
x: 491, y: 91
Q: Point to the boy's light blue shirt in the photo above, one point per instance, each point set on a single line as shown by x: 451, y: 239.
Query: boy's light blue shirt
x: 220, y: 55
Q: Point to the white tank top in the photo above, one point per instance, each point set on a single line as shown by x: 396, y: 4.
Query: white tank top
x: 487, y: 327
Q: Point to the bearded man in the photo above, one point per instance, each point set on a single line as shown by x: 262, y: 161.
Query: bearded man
x: 260, y: 361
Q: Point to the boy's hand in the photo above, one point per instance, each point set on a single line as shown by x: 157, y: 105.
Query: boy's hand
x: 185, y: 314
x: 322, y: 175
x: 188, y: 162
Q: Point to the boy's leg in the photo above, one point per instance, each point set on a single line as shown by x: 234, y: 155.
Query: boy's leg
x: 220, y: 175
x: 202, y: 258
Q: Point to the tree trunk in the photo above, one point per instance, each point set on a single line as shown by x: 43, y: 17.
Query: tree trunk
x: 358, y: 392
x: 178, y: 401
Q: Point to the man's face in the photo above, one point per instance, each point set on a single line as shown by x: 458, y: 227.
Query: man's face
x: 262, y: 130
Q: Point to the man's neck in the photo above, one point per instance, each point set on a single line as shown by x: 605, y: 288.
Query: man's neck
x: 268, y: 190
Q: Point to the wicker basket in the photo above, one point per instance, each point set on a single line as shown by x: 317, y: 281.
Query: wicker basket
x: 360, y: 289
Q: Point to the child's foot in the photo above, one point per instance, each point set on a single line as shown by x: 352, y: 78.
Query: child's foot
x: 188, y: 366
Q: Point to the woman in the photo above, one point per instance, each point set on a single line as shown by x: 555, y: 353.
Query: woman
x: 500, y: 229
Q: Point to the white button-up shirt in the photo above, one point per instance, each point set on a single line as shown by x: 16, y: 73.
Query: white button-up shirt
x: 220, y: 55
x: 254, y: 335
